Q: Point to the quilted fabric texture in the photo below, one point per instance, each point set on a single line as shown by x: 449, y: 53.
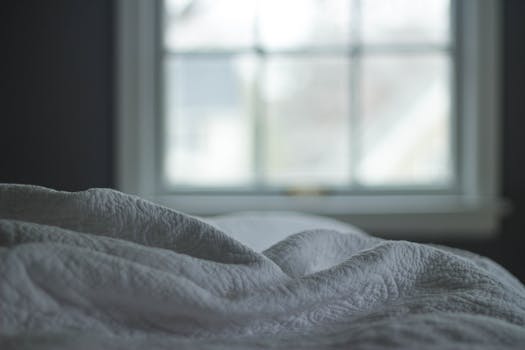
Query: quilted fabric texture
x: 101, y: 269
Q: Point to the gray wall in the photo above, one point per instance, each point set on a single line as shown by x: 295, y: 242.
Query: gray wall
x: 56, y: 102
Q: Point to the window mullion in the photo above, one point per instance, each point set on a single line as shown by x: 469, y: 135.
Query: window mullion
x: 258, y: 108
x: 258, y: 111
x: 455, y: 90
x: 354, y: 76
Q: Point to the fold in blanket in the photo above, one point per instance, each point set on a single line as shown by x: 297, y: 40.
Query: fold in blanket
x: 102, y: 269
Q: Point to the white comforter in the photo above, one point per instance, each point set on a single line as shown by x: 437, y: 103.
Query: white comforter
x: 101, y: 269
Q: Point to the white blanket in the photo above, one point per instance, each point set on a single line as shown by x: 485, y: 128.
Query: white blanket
x: 101, y: 269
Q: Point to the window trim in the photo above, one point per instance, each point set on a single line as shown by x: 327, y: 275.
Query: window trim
x: 474, y: 212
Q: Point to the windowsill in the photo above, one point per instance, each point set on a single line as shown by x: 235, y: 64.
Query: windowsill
x: 426, y: 216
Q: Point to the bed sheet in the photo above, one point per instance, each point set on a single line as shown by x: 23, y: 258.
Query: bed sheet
x: 102, y: 269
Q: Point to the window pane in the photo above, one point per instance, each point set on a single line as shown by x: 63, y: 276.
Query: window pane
x: 306, y: 139
x: 297, y: 23
x: 405, y: 21
x: 208, y: 127
x: 301, y: 101
x: 204, y: 24
x: 405, y: 120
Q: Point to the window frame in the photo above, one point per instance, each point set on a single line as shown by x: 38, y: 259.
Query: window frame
x: 473, y: 210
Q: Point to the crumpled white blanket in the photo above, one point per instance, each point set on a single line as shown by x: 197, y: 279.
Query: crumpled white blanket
x: 103, y: 270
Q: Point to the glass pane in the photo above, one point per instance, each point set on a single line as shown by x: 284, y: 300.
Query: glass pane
x: 405, y: 21
x: 204, y: 24
x: 297, y: 23
x: 306, y: 138
x: 405, y: 120
x: 208, y: 125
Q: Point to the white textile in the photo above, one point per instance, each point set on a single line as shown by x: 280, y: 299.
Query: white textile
x: 101, y: 269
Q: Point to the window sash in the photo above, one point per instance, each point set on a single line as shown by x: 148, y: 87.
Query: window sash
x: 354, y: 51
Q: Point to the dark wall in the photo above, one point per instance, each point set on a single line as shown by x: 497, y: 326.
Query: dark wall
x: 56, y: 93
x: 513, y: 229
x: 508, y: 249
x: 57, y: 105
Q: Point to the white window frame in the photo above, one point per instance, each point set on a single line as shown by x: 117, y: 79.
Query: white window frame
x: 473, y: 212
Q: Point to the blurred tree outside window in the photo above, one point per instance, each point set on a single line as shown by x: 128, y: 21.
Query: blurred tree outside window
x: 330, y: 94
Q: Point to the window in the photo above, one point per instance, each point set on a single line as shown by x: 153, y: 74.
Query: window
x: 329, y: 94
x: 380, y: 111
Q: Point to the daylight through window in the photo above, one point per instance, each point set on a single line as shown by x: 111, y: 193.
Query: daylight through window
x: 325, y: 94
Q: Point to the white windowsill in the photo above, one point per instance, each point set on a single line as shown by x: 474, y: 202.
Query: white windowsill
x: 423, y: 216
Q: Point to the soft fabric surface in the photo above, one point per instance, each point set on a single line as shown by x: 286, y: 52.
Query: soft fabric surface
x: 100, y: 269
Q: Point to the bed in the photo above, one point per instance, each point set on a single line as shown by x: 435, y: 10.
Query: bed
x: 102, y: 269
